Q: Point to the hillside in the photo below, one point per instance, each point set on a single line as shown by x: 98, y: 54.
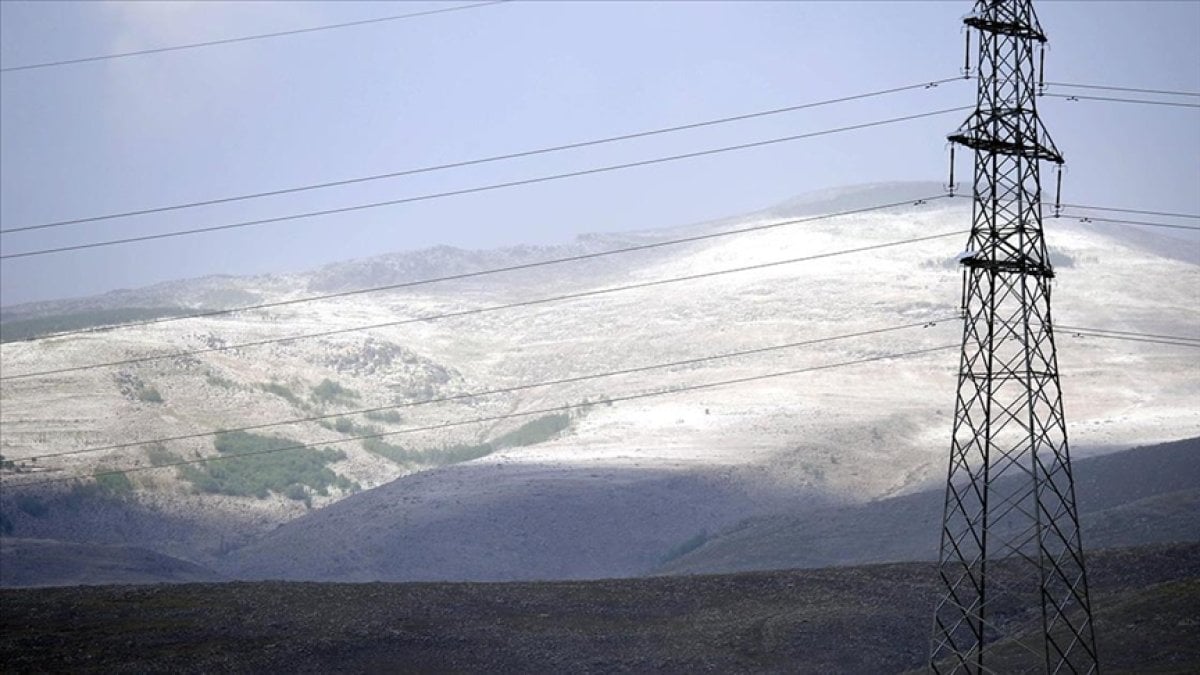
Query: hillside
x: 644, y: 475
x: 40, y: 562
x: 864, y: 619
x: 1141, y: 496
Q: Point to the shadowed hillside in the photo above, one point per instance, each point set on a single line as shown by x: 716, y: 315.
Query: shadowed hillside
x: 1141, y: 496
x: 40, y: 562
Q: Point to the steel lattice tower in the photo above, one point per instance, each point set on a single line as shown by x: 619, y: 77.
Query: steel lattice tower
x: 1010, y: 546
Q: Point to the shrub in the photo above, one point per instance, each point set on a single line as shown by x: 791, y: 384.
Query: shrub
x: 390, y: 451
x: 32, y: 506
x: 284, y: 393
x: 329, y: 391
x: 454, y: 454
x: 296, y: 492
x: 159, y: 455
x: 114, y: 484
x: 389, y: 416
x: 149, y: 395
x: 345, y: 425
x: 215, y: 380
x: 535, y: 431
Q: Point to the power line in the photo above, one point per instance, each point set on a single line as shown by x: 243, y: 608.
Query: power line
x: 1080, y: 333
x: 555, y: 261
x: 1096, y: 219
x: 1080, y: 97
x: 482, y: 160
x: 1168, y: 92
x: 247, y: 38
x: 496, y: 418
x: 1099, y: 333
x: 1169, y: 214
x: 1075, y: 330
x: 491, y: 308
x: 1127, y: 332
x: 484, y: 188
x: 505, y: 390
x: 498, y: 270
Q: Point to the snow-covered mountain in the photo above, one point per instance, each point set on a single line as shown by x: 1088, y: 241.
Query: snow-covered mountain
x: 611, y: 488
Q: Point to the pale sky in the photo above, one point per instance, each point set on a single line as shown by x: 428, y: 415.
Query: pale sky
x: 153, y: 130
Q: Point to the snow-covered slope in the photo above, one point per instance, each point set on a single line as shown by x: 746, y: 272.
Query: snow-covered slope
x: 844, y: 434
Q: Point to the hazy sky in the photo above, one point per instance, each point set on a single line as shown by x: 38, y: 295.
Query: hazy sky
x: 153, y: 130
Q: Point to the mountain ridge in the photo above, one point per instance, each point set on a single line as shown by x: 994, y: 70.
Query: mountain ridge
x: 831, y: 435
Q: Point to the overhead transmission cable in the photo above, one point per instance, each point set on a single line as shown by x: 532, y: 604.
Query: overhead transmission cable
x: 482, y: 160
x: 1112, y: 99
x: 485, y: 188
x: 485, y: 160
x: 575, y: 258
x: 506, y: 390
x: 527, y: 413
x: 1086, y: 219
x: 496, y: 418
x: 490, y: 308
x: 1166, y: 214
x: 248, y: 38
x: 1136, y: 90
x: 1086, y: 334
x: 1175, y: 340
x: 1133, y: 336
x: 1128, y: 332
x: 497, y: 270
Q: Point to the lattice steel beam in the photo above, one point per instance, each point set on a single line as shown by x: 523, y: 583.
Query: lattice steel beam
x: 1011, y: 551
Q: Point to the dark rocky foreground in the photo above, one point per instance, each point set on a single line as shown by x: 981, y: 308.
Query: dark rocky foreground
x: 854, y: 619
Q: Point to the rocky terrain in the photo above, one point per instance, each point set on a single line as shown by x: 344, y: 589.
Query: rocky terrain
x: 843, y: 620
x: 635, y: 478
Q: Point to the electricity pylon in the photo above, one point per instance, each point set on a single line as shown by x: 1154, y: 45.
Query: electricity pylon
x: 1011, y: 554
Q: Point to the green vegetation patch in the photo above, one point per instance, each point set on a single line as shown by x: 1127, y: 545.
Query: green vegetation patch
x: 531, y: 433
x: 256, y: 466
x: 329, y: 391
x: 218, y: 380
x: 159, y: 455
x: 106, y: 486
x: 388, y: 416
x: 391, y: 451
x: 114, y: 484
x: 282, y: 391
x: 27, y: 329
x: 535, y: 431
x: 346, y: 425
x: 135, y: 388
